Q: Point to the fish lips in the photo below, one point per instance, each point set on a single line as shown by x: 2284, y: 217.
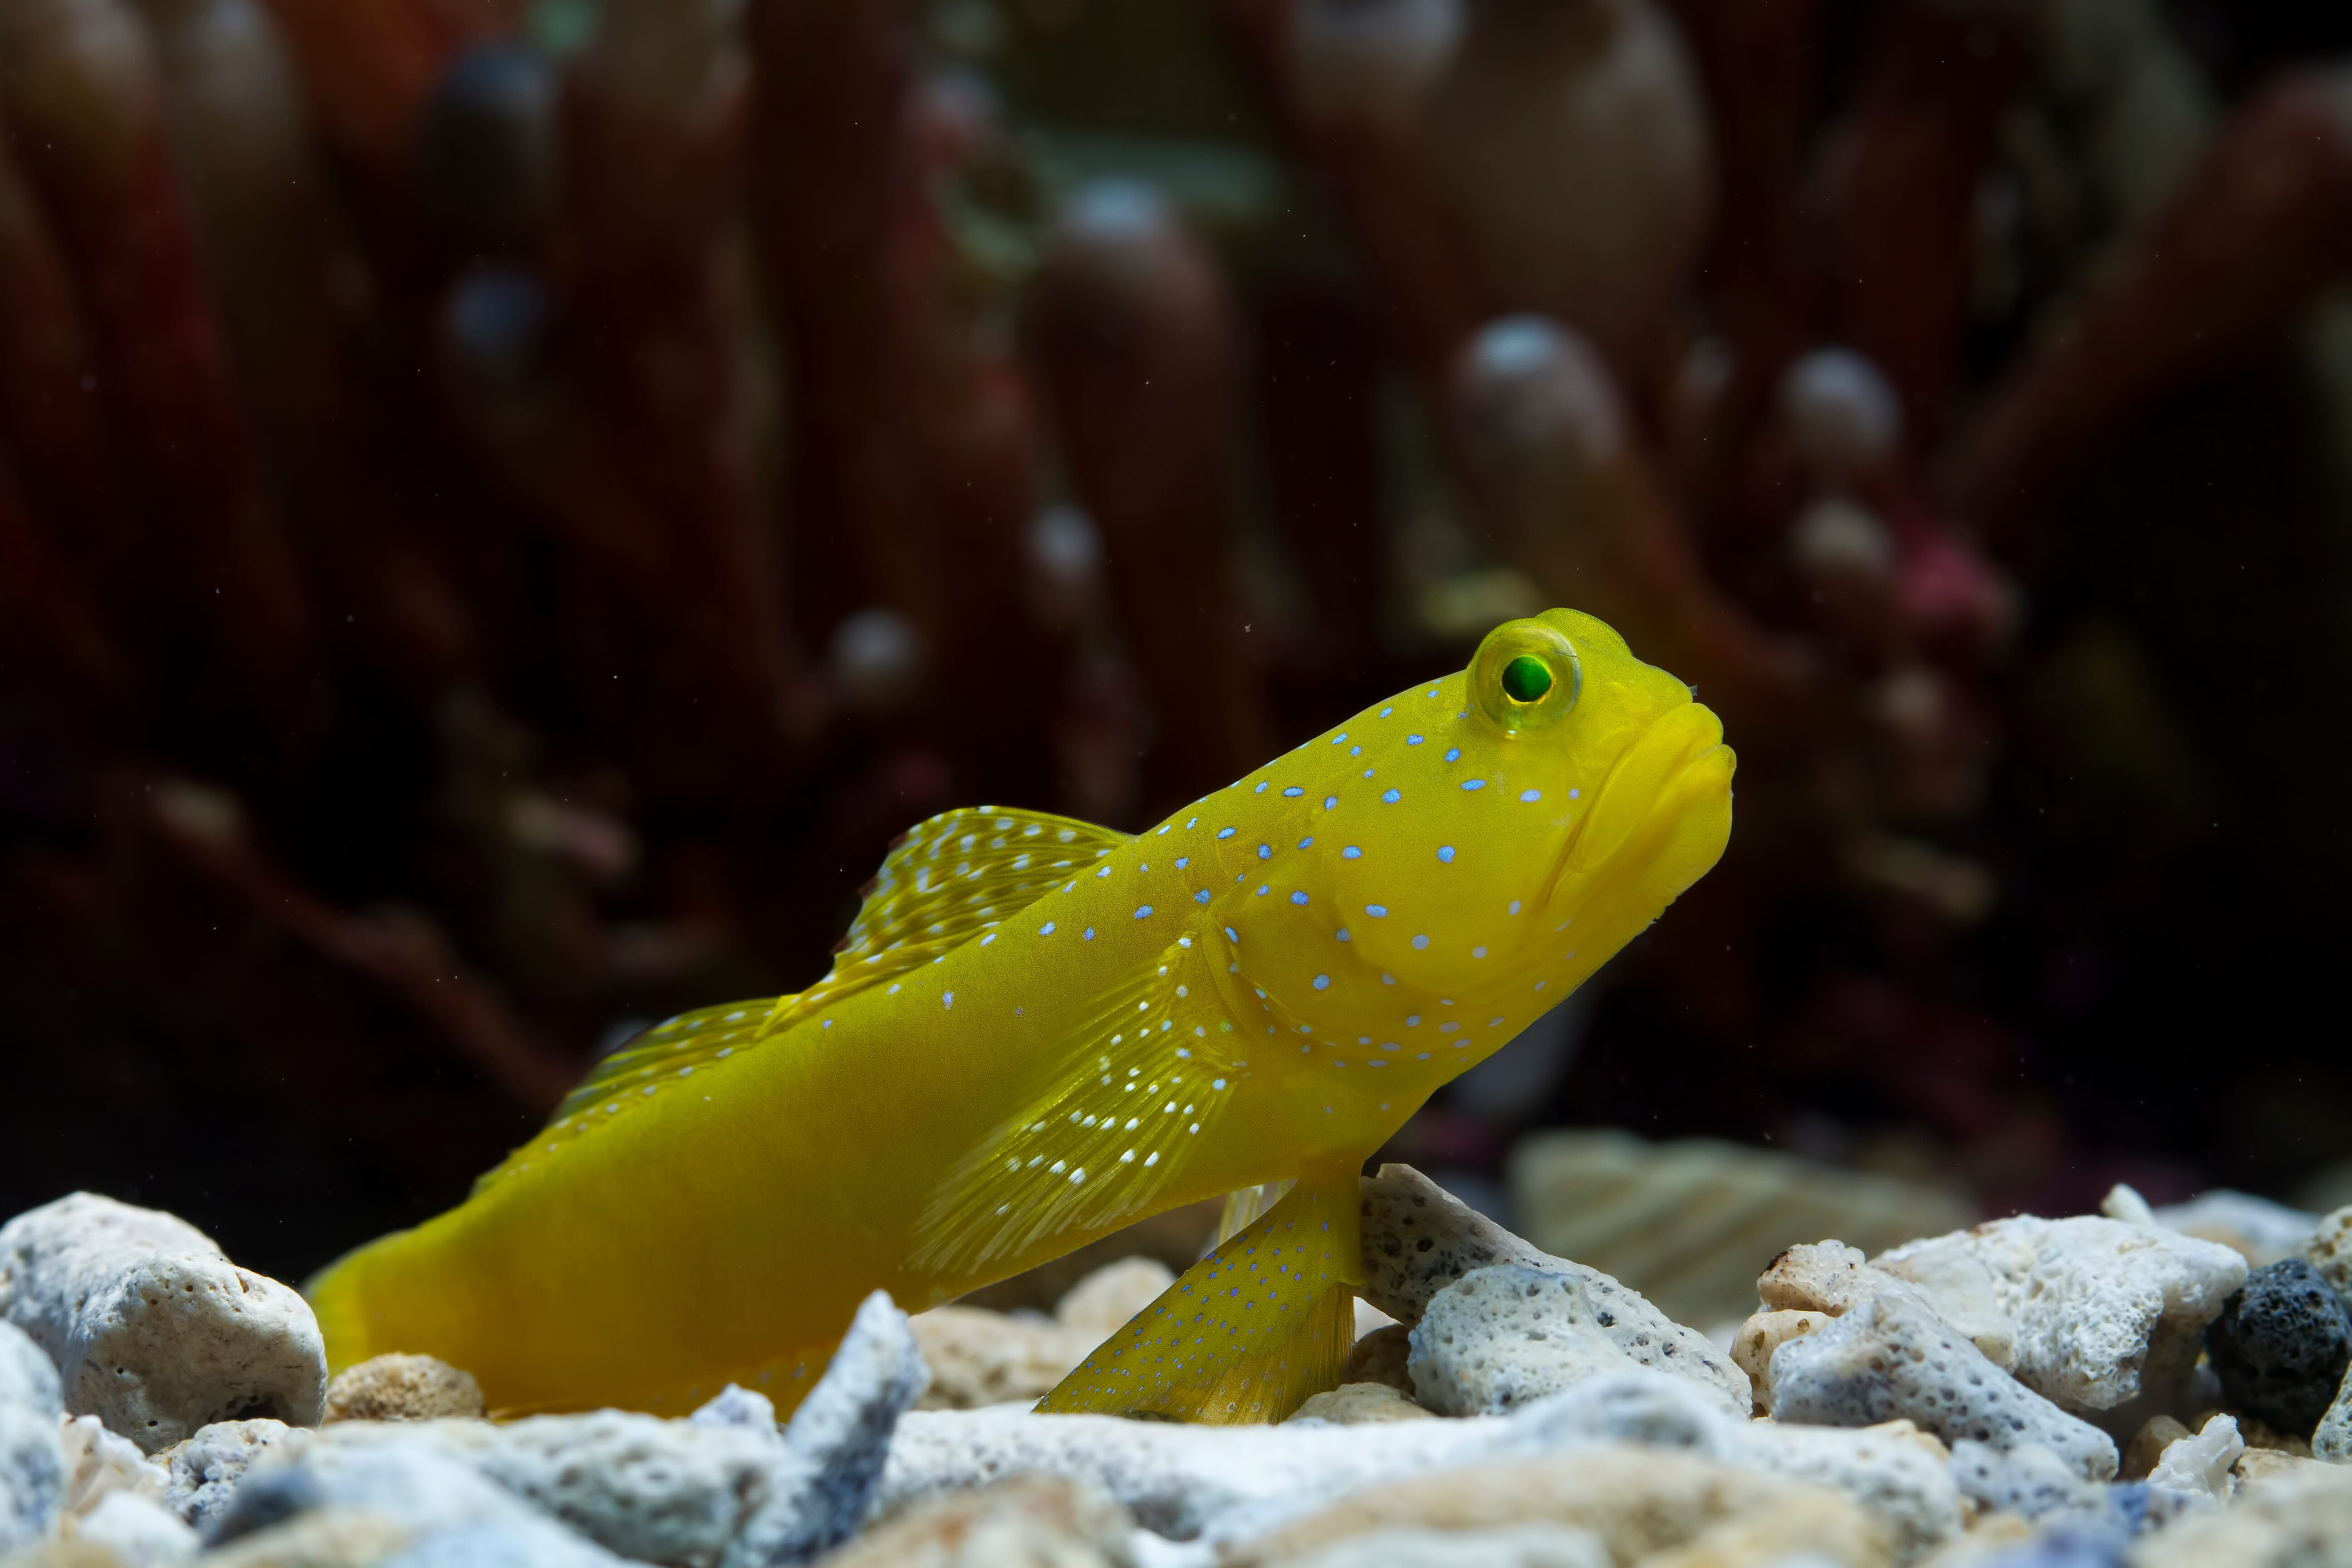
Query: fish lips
x: 1658, y: 822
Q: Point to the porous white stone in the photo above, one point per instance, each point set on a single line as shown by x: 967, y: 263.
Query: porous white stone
x: 1356, y: 1404
x: 1817, y: 1276
x: 2298, y: 1520
x: 1207, y: 1485
x: 202, y: 1472
x: 1506, y: 1334
x: 1899, y: 1474
x: 447, y: 1512
x: 658, y: 1491
x: 2201, y: 1462
x: 151, y: 1329
x: 99, y: 1463
x: 402, y: 1388
x: 2260, y: 1230
x: 735, y: 1405
x: 139, y: 1529
x: 1419, y: 1238
x: 1893, y: 1358
x: 1753, y: 1343
x: 32, y: 1468
x: 2026, y: 1479
x: 2333, y: 1441
x: 2328, y: 1249
x: 2100, y: 1308
x: 722, y: 1489
x: 1505, y: 1546
x: 840, y: 1438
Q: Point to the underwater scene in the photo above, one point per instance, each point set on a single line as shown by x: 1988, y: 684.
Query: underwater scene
x: 1175, y: 783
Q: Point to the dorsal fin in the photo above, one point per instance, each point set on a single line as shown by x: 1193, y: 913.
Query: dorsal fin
x: 946, y: 880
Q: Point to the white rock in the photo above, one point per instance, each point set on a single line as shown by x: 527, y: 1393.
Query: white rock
x: 658, y: 1491
x: 1506, y: 1546
x: 151, y: 1329
x: 99, y: 1464
x: 2123, y: 1202
x: 2201, y: 1461
x: 1207, y: 1485
x: 450, y: 1514
x: 204, y: 1470
x: 2100, y: 1308
x: 34, y: 1473
x: 139, y: 1529
x: 1899, y: 1474
x: 736, y: 1405
x: 2025, y: 1478
x: 2333, y: 1441
x: 1419, y: 1238
x: 1507, y: 1334
x: 1893, y: 1358
x: 2328, y: 1249
x: 1956, y: 1283
x: 2261, y: 1230
x: 2302, y: 1521
x: 840, y: 1439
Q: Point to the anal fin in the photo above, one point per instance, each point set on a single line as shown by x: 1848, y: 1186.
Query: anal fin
x: 1249, y: 1333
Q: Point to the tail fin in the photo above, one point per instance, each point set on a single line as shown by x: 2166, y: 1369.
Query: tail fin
x: 1249, y: 1332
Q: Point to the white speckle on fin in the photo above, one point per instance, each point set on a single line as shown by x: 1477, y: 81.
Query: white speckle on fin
x: 999, y: 1200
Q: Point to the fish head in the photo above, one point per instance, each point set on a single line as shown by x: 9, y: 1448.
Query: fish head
x: 1535, y: 812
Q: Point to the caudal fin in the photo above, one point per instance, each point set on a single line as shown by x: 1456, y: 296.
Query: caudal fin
x: 1249, y: 1332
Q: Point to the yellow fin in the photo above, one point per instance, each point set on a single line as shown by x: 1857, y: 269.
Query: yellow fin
x: 1250, y: 1332
x: 1242, y: 1208
x: 949, y: 877
x: 953, y: 877
x: 1107, y: 1126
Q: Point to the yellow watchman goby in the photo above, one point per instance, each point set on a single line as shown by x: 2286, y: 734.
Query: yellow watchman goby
x: 1038, y: 1031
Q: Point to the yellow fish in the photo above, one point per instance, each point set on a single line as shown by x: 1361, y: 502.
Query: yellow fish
x: 1038, y: 1031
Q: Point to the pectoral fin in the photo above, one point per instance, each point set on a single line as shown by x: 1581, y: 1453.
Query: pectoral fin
x: 1249, y: 1332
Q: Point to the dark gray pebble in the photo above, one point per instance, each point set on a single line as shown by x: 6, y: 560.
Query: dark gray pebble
x: 2281, y: 1346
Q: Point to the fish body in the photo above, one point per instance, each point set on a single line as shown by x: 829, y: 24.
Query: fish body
x: 1039, y: 1031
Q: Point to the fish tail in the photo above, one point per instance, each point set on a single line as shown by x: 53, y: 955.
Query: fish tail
x: 1250, y: 1332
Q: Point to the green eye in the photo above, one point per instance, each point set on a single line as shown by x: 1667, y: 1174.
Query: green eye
x: 1526, y: 678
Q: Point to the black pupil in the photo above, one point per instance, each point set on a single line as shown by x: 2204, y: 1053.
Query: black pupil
x: 1525, y: 678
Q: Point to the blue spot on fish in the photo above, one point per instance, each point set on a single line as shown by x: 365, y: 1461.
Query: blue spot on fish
x: 1266, y: 851
x: 1420, y: 941
x: 1294, y: 792
x: 1089, y: 935
x: 1230, y: 936
x: 1305, y: 842
x: 1202, y: 897
x: 1474, y: 783
x: 1300, y: 897
x: 1322, y: 983
x: 1445, y: 853
x: 1454, y: 753
x: 1225, y: 833
x: 1531, y: 796
x: 1343, y: 935
x: 1378, y: 911
x: 1045, y: 929
x: 1391, y: 796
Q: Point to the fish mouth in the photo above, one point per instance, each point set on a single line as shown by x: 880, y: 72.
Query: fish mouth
x: 1660, y: 816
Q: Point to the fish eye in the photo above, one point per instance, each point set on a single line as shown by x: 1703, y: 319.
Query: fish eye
x: 1526, y: 676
